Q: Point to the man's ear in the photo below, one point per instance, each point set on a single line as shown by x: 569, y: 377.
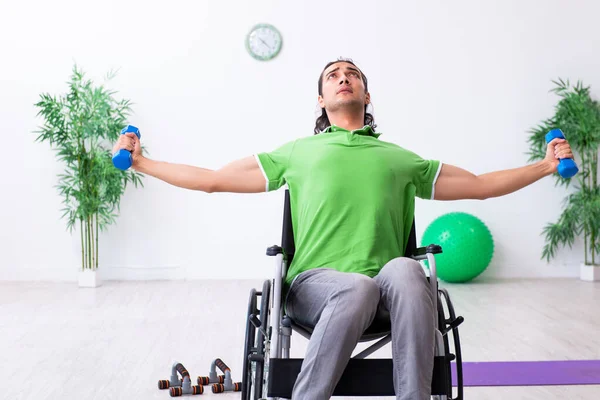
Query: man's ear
x: 321, y: 101
x: 368, y: 98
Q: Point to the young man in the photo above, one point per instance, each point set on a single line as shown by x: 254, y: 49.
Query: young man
x: 352, y: 200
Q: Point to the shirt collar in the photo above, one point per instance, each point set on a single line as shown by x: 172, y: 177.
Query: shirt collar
x: 366, y: 130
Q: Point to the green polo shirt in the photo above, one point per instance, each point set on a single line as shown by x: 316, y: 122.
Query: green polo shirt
x: 352, y: 198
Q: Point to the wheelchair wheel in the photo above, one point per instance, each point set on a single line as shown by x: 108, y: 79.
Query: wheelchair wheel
x: 261, y: 342
x: 248, y: 346
x: 457, y: 349
x: 256, y: 349
x: 442, y: 323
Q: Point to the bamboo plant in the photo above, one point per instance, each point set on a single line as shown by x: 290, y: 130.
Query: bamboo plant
x: 82, y: 125
x: 578, y: 115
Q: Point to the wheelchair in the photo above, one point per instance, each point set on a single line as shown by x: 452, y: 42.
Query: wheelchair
x: 270, y: 373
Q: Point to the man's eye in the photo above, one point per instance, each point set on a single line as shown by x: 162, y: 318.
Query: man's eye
x: 331, y: 76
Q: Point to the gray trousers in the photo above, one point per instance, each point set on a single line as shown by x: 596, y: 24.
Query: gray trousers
x: 341, y: 306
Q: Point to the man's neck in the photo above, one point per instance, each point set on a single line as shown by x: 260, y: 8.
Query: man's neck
x: 348, y: 121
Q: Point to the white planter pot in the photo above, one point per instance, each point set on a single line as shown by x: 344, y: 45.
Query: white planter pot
x: 89, y: 278
x: 590, y: 273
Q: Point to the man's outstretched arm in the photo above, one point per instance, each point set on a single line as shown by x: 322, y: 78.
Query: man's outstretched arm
x: 240, y: 176
x: 455, y: 183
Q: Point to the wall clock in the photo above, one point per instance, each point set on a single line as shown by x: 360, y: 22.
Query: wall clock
x: 263, y: 42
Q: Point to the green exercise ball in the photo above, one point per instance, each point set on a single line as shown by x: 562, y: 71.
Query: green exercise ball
x: 467, y: 246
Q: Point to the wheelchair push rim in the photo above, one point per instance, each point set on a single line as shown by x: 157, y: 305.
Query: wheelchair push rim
x: 256, y: 351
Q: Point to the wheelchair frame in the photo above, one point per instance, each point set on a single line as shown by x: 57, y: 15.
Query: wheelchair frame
x: 268, y: 370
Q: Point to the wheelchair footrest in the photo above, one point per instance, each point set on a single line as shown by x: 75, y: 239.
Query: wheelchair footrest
x: 362, y: 377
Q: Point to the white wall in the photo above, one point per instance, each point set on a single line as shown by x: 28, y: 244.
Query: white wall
x: 460, y: 81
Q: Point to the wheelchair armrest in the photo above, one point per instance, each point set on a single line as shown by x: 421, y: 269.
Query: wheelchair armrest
x: 420, y: 253
x: 274, y: 250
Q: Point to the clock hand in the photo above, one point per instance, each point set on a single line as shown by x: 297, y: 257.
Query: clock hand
x: 265, y: 43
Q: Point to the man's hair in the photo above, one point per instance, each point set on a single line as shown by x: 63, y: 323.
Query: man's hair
x: 323, y: 121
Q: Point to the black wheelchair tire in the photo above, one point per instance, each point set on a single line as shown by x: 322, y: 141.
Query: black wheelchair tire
x: 442, y: 325
x: 248, y: 345
x: 457, y: 349
x: 260, y: 340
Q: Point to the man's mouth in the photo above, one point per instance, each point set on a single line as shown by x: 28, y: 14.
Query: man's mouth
x: 345, y: 89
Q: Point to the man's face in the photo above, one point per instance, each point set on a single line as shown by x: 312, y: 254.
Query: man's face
x: 343, y: 87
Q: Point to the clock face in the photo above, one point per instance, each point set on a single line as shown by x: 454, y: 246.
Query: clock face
x: 263, y: 42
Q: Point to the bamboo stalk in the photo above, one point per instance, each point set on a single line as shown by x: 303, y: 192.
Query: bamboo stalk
x: 591, y: 175
x: 86, y: 243
x: 595, y: 170
x: 89, y: 243
x: 93, y: 252
x: 96, y: 240
x: 585, y: 247
x: 82, y: 244
x: 593, y: 248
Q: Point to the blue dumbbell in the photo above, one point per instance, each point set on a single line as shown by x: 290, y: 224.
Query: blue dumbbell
x: 122, y: 159
x: 566, y: 167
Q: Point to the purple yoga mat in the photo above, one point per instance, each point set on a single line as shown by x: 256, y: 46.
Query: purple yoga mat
x: 529, y: 373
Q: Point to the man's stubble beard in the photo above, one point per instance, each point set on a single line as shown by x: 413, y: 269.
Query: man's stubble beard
x: 354, y: 105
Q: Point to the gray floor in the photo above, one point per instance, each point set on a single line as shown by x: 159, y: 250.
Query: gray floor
x: 117, y: 341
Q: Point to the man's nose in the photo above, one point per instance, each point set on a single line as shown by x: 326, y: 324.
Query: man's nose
x: 344, y: 79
